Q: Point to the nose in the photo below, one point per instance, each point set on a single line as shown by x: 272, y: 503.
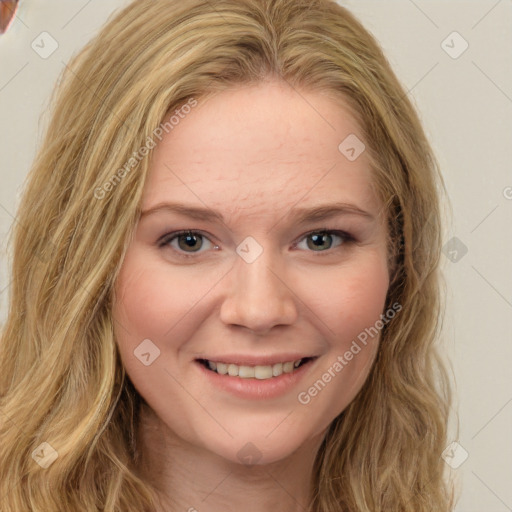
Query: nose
x: 259, y: 297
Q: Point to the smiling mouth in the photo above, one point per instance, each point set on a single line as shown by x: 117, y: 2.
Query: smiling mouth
x: 254, y: 372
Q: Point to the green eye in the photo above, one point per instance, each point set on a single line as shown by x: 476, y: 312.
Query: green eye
x: 189, y: 243
x: 186, y: 239
x: 320, y: 238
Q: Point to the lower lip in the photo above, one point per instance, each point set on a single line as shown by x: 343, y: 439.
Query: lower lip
x: 257, y: 388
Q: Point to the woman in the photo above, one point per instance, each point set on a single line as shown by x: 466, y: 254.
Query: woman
x: 174, y: 339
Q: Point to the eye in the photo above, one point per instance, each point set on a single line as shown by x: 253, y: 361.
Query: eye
x: 187, y: 241
x: 321, y: 238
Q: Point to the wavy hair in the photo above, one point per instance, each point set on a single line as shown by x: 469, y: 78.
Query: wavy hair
x: 64, y: 393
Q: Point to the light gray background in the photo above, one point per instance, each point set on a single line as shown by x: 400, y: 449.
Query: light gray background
x: 466, y: 107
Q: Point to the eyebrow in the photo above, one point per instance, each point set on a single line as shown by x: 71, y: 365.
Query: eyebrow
x: 300, y: 215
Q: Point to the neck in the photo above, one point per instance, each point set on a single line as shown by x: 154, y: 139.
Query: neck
x: 190, y: 478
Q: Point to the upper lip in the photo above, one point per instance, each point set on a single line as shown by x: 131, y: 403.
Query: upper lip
x: 254, y: 360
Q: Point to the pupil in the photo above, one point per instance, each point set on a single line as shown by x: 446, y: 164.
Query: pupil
x: 190, y: 240
x: 318, y: 238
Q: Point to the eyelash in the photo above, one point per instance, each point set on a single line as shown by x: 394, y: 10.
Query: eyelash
x: 346, y: 237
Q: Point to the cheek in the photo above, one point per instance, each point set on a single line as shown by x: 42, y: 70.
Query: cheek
x: 151, y: 302
x: 348, y: 304
x: 348, y: 298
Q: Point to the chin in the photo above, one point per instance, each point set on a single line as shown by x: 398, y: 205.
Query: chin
x: 257, y: 449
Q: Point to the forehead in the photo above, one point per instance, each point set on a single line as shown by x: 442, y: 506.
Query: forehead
x: 261, y: 148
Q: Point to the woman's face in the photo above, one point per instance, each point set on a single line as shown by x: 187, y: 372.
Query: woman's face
x: 259, y: 281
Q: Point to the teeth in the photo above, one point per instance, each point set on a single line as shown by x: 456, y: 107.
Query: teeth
x: 277, y: 369
x: 246, y: 372
x: 254, y: 372
x: 222, y: 368
x: 288, y: 367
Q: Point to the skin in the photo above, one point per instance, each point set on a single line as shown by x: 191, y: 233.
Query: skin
x: 253, y: 153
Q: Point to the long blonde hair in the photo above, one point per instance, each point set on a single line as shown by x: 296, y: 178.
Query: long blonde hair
x: 64, y: 394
